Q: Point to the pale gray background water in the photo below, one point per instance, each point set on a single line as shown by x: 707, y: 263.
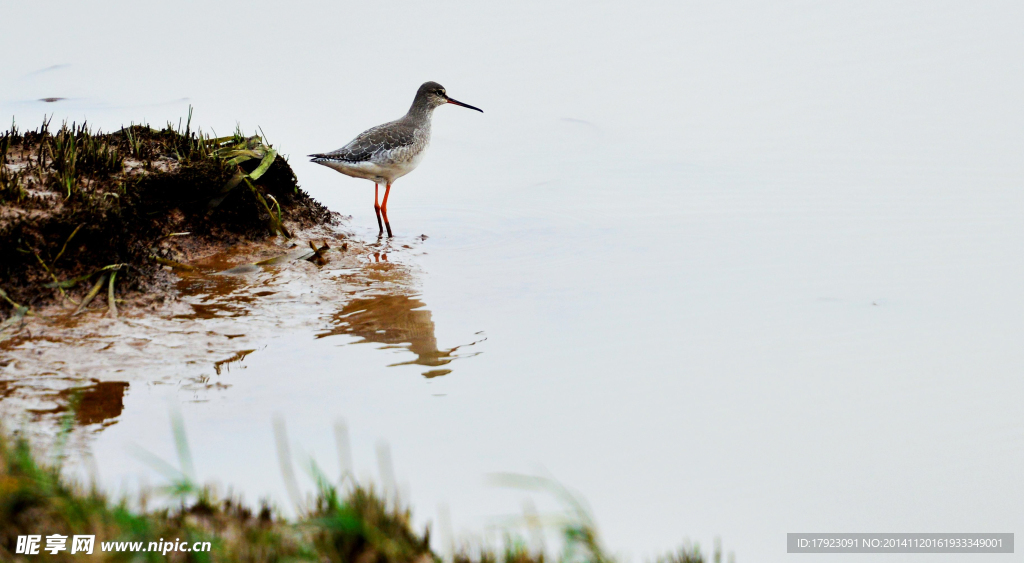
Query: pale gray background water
x: 744, y: 268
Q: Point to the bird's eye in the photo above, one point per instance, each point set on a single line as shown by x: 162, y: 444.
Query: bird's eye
x: 440, y: 92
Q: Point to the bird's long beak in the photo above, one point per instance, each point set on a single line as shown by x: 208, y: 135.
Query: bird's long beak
x: 458, y: 103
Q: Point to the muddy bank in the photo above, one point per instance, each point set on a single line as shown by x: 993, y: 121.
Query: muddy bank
x: 83, y: 210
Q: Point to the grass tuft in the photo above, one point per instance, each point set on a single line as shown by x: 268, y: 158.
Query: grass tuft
x: 117, y: 194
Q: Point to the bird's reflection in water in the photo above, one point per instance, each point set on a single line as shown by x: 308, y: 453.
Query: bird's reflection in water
x: 398, y: 321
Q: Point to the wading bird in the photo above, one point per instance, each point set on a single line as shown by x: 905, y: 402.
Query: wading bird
x: 387, y: 152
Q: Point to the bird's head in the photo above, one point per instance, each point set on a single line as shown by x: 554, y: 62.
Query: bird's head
x: 433, y: 95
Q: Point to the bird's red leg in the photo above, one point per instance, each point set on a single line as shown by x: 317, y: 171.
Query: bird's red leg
x: 376, y: 209
x: 384, y: 209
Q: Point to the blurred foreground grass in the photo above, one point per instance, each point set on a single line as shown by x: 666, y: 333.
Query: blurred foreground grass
x: 354, y: 523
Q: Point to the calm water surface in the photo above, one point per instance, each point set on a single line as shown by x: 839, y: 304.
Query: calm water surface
x: 727, y: 271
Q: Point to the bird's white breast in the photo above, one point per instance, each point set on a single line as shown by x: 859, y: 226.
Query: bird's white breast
x: 403, y: 160
x: 407, y: 165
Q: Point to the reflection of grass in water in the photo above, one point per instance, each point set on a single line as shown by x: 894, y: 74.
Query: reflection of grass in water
x: 345, y: 522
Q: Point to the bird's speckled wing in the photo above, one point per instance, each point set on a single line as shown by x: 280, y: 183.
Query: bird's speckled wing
x: 374, y: 144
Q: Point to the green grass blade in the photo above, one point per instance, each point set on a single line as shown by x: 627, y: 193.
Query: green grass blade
x: 111, y: 305
x: 232, y: 184
x: 268, y: 159
x: 92, y: 293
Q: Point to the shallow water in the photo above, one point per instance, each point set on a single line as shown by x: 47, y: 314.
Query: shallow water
x: 733, y: 270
